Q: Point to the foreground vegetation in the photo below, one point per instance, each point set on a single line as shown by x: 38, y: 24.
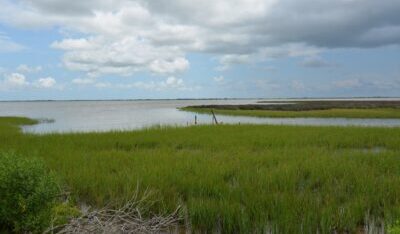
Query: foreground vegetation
x: 319, y: 109
x: 27, y: 193
x: 248, y: 178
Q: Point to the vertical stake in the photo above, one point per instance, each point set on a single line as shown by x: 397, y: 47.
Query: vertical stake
x: 214, y: 118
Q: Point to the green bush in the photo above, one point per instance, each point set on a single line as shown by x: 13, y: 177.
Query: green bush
x: 27, y: 194
x: 394, y: 228
x: 63, y: 212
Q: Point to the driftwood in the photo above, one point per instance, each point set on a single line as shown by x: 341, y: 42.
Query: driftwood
x: 126, y: 219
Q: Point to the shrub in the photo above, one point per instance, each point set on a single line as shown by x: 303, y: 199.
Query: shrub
x: 27, y: 194
x: 63, y: 212
x: 394, y: 228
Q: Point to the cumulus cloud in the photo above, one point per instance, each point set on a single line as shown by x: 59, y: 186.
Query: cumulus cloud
x: 127, y: 36
x: 19, y: 81
x: 74, y: 44
x: 47, y: 82
x: 169, y: 67
x: 16, y: 80
x: 173, y: 82
x: 98, y: 56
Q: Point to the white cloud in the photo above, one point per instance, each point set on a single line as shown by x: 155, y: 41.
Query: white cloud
x: 47, y: 82
x: 98, y: 56
x: 169, y: 67
x: 23, y: 68
x: 173, y: 82
x: 127, y: 36
x: 19, y: 81
x: 16, y: 80
x: 74, y: 44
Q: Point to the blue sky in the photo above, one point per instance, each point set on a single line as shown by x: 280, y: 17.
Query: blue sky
x: 128, y: 49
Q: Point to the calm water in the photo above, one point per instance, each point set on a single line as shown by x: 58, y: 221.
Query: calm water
x: 81, y: 116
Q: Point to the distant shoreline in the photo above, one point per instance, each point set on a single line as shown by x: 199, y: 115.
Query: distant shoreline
x: 195, y: 99
x: 354, y: 108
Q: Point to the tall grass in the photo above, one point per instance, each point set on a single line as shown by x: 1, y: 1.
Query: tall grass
x: 248, y: 178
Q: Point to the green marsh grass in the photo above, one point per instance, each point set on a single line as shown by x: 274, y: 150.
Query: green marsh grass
x: 230, y: 178
x: 380, y: 113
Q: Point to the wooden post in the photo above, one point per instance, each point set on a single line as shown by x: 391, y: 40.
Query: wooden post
x: 195, y: 119
x: 214, y: 118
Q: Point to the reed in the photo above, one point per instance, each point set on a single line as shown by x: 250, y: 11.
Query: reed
x: 230, y: 178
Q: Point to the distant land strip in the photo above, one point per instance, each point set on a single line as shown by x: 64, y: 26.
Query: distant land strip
x: 310, y: 108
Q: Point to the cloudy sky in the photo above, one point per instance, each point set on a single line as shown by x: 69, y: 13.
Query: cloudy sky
x: 116, y: 49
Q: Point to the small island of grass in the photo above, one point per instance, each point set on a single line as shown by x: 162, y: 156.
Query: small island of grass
x: 307, y: 109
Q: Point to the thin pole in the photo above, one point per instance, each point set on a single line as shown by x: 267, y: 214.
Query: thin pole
x: 215, y: 118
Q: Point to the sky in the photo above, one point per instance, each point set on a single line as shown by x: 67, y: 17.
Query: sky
x: 156, y: 49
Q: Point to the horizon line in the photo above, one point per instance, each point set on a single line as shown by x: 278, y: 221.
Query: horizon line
x: 176, y: 99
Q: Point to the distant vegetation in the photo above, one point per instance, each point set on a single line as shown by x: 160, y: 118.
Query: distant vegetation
x: 320, y: 109
x: 230, y: 178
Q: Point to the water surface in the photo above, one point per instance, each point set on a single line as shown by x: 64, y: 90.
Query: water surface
x: 83, y: 116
